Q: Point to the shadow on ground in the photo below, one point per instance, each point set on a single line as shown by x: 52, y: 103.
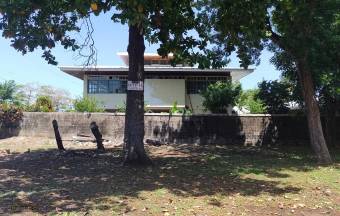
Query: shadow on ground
x: 48, y: 182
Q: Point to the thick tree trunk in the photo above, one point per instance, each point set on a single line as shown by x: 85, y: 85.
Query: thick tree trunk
x: 134, y: 151
x: 316, y: 136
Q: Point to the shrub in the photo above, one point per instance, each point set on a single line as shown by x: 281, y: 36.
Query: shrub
x: 248, y: 101
x: 221, y: 95
x: 88, y: 104
x: 10, y: 116
x: 121, y: 108
x: 176, y: 110
x: 275, y: 95
x: 43, y: 104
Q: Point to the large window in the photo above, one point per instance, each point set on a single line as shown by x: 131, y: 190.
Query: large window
x: 106, y: 85
x: 195, y: 85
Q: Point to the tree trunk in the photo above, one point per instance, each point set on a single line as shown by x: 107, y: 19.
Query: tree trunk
x: 134, y: 151
x: 316, y: 136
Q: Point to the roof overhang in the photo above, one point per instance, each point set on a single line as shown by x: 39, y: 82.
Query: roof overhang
x: 80, y: 72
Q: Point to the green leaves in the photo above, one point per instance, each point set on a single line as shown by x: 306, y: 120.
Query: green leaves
x: 218, y: 97
x: 276, y: 96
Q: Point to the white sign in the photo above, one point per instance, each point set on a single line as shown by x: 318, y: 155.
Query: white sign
x: 135, y: 86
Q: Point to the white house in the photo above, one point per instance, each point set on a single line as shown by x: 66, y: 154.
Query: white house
x: 163, y: 85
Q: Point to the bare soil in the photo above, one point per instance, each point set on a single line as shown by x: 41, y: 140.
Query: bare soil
x: 36, y: 179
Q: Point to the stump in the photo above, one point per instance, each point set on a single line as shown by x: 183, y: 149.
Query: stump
x: 97, y: 135
x: 57, y: 135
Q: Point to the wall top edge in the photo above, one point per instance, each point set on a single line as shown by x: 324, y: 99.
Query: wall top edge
x: 163, y: 114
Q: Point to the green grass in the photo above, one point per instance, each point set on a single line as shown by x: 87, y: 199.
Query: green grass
x: 186, y: 180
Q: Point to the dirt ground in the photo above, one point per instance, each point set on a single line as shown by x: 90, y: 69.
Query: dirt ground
x: 36, y: 179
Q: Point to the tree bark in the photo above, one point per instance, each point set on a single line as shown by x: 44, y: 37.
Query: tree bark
x: 134, y: 151
x: 316, y: 136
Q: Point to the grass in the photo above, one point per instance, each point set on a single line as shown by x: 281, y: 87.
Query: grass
x: 186, y: 180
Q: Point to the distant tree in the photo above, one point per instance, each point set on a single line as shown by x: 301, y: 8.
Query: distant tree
x: 28, y: 93
x: 221, y: 96
x: 87, y: 104
x: 9, y: 93
x: 8, y: 90
x: 248, y: 101
x: 60, y: 97
x: 31, y: 91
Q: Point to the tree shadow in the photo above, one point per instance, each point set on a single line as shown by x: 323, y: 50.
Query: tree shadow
x: 198, y: 129
x: 80, y: 180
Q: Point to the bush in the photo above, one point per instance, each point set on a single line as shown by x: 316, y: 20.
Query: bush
x: 249, y: 101
x: 121, y: 108
x: 176, y: 110
x: 221, y: 95
x: 275, y: 95
x: 10, y: 116
x: 43, y: 104
x: 87, y: 104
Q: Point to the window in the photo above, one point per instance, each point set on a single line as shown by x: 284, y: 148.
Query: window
x: 195, y: 85
x: 106, y: 85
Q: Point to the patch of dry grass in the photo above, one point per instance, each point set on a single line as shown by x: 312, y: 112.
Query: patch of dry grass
x: 186, y: 180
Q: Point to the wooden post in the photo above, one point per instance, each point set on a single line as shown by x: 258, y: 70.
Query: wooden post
x: 57, y: 135
x: 97, y: 135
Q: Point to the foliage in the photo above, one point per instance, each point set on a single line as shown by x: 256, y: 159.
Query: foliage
x: 121, y: 108
x: 307, y: 30
x: 221, y: 95
x: 176, y: 110
x: 249, y: 101
x: 9, y: 92
x: 33, y: 24
x: 43, y: 104
x: 88, y: 104
x: 10, y: 115
x: 275, y: 95
x: 61, y: 99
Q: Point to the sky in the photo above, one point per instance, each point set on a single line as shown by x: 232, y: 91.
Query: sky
x: 110, y: 38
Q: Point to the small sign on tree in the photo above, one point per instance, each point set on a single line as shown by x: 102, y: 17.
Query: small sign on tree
x: 135, y: 86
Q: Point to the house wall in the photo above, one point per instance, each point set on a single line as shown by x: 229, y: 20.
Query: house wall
x: 110, y: 101
x: 194, y: 102
x: 156, y: 92
x: 164, y: 91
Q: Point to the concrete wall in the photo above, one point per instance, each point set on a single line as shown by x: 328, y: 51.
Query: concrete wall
x: 201, y: 129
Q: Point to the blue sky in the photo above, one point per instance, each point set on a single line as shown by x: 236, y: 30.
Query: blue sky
x: 110, y: 38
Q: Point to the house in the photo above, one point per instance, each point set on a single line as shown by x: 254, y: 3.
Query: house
x: 163, y: 86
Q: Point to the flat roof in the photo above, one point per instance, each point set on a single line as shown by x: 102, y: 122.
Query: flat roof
x: 80, y: 71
